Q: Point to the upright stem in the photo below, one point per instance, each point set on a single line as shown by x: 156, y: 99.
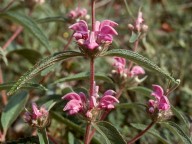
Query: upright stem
x: 92, y: 76
x: 93, y: 14
x: 88, y: 128
x: 141, y: 133
x: 3, y: 92
x: 69, y: 41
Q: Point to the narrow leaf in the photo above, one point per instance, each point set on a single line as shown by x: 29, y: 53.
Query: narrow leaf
x: 151, y: 131
x: 31, y: 55
x: 82, y: 76
x: 41, y: 65
x: 12, y: 110
x: 42, y: 134
x: 134, y: 37
x: 109, y: 133
x: 139, y: 59
x: 29, y: 24
x: 175, y: 129
x: 9, y: 85
x: 129, y: 105
x: 141, y: 90
x: 52, y: 19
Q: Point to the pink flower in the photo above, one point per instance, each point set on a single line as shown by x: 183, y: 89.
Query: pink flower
x: 103, y: 33
x: 137, y: 70
x: 107, y: 102
x: 161, y: 102
x: 75, y: 103
x: 120, y: 64
x: 78, y: 12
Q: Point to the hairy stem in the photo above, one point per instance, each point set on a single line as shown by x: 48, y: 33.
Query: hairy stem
x: 141, y: 133
x: 88, y: 128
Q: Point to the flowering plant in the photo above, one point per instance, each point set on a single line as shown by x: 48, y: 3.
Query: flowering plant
x: 104, y: 88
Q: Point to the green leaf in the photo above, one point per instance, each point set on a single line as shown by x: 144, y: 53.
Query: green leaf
x: 175, y: 129
x: 52, y: 19
x: 129, y: 105
x: 83, y: 75
x: 71, y: 138
x: 180, y: 116
x: 141, y: 90
x: 109, y: 133
x: 151, y: 131
x: 74, y: 127
x: 41, y: 65
x: 42, y: 134
x: 31, y: 55
x: 3, y: 56
x: 12, y: 110
x: 139, y: 59
x: 29, y: 24
x: 9, y: 85
x: 134, y: 37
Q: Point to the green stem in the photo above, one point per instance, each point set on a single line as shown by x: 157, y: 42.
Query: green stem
x: 141, y: 133
x: 43, y: 138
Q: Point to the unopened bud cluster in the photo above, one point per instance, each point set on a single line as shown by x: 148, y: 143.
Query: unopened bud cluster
x: 139, y: 26
x: 37, y: 117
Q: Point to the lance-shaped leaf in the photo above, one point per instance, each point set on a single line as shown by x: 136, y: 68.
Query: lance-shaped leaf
x: 41, y: 65
x: 53, y: 19
x: 82, y: 76
x: 12, y: 110
x: 29, y: 24
x: 151, y: 131
x: 141, y: 90
x: 109, y: 133
x: 42, y: 134
x: 140, y: 60
x: 176, y: 130
x: 9, y: 85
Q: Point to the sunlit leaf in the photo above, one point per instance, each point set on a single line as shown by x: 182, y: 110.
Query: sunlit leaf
x: 109, y: 133
x: 139, y: 59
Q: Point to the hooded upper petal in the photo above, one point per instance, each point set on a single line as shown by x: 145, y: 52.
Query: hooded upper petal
x: 157, y: 92
x: 108, y: 102
x: 71, y: 95
x: 137, y: 70
x: 73, y: 106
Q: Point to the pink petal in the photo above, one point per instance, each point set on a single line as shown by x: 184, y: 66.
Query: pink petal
x: 157, y: 92
x: 93, y: 102
x: 105, y: 30
x: 164, y: 103
x: 108, y: 23
x: 97, y: 24
x: 36, y: 112
x: 80, y: 26
x: 108, y: 102
x: 73, y: 106
x: 137, y: 70
x: 82, y: 96
x: 151, y: 103
x: 91, y: 42
x: 71, y: 95
x: 109, y: 92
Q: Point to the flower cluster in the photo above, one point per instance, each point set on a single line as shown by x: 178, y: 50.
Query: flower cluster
x: 120, y: 65
x: 77, y: 13
x: 161, y: 102
x: 91, y: 40
x: 37, y: 117
x: 78, y: 103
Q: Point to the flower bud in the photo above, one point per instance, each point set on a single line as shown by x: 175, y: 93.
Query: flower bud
x: 145, y: 28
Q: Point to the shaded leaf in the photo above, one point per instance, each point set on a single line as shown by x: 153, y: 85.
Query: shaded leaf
x: 52, y: 19
x: 31, y: 55
x: 139, y: 59
x: 42, y: 134
x: 12, y: 110
x: 130, y: 105
x: 109, y: 133
x: 83, y: 75
x: 151, y: 131
x: 9, y: 85
x: 41, y: 65
x: 29, y: 24
x: 141, y: 90
x: 134, y: 37
x: 175, y: 129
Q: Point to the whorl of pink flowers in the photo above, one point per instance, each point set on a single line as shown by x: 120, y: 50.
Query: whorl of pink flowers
x: 120, y: 65
x: 78, y: 103
x: 103, y: 33
x: 77, y: 13
x: 161, y: 101
x: 36, y: 115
